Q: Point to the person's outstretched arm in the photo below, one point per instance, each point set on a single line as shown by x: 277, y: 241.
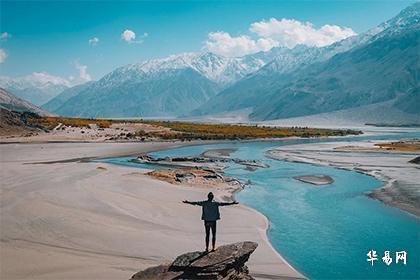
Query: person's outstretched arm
x: 199, y: 203
x: 227, y: 203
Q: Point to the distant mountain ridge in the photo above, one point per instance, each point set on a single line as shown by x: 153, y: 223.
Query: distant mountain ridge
x: 156, y: 85
x: 172, y: 93
x: 171, y: 86
x: 218, y: 69
x: 37, y: 88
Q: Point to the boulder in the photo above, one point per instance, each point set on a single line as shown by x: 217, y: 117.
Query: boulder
x: 160, y: 272
x: 226, y: 263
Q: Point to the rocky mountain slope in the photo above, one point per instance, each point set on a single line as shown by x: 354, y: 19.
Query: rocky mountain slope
x: 12, y: 103
x: 17, y: 124
x: 14, y: 115
x: 65, y: 95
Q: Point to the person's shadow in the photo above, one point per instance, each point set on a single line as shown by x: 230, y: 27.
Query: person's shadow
x: 198, y: 265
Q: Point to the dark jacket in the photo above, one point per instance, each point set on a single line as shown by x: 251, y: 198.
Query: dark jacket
x: 210, y: 209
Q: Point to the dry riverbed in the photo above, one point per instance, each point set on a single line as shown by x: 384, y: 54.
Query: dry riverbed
x: 87, y: 220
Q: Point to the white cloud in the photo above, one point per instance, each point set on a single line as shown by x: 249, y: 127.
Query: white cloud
x: 274, y: 33
x: 128, y: 35
x: 224, y: 44
x: 83, y: 75
x: 290, y: 32
x: 5, y: 36
x: 3, y: 55
x: 93, y: 41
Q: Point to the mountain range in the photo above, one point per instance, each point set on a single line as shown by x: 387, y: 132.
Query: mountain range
x: 377, y: 66
x: 167, y: 87
x: 37, y: 88
x: 375, y: 70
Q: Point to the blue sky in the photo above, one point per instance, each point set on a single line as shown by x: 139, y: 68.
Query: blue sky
x: 53, y: 36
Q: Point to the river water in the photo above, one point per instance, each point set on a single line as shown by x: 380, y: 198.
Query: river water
x: 324, y: 232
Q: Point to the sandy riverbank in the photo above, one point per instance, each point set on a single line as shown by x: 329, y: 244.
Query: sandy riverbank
x: 73, y: 220
x: 402, y: 188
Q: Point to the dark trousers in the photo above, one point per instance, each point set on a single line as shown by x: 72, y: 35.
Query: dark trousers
x: 210, y: 225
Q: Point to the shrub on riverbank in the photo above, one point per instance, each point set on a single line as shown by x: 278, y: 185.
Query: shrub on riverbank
x: 190, y: 131
x: 187, y: 131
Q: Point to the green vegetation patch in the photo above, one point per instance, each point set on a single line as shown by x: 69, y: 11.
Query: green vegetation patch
x: 173, y: 130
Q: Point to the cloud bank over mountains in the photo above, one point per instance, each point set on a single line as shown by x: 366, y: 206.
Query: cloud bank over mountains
x: 40, y: 87
x: 275, y: 33
x: 36, y: 88
x: 222, y: 43
x: 290, y: 32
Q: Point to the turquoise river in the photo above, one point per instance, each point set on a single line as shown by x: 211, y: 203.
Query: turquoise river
x: 325, y: 232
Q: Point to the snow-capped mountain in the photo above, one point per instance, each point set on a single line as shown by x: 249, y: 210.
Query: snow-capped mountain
x: 127, y: 92
x: 218, y: 69
x: 377, y: 66
x: 170, y: 86
x: 407, y: 19
x: 37, y: 88
x: 380, y: 67
x: 286, y: 60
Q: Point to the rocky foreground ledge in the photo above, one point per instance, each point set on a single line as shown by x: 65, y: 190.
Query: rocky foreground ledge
x: 225, y: 263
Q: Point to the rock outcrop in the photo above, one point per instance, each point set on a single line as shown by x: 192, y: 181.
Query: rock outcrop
x: 415, y: 160
x: 225, y: 263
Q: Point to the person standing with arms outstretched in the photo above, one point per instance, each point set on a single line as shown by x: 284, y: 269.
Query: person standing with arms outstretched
x: 210, y: 215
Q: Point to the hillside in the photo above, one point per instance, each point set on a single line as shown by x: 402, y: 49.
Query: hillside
x: 12, y: 103
x: 65, y: 95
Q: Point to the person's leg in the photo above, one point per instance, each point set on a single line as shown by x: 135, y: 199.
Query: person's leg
x: 213, y: 233
x: 207, y: 226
